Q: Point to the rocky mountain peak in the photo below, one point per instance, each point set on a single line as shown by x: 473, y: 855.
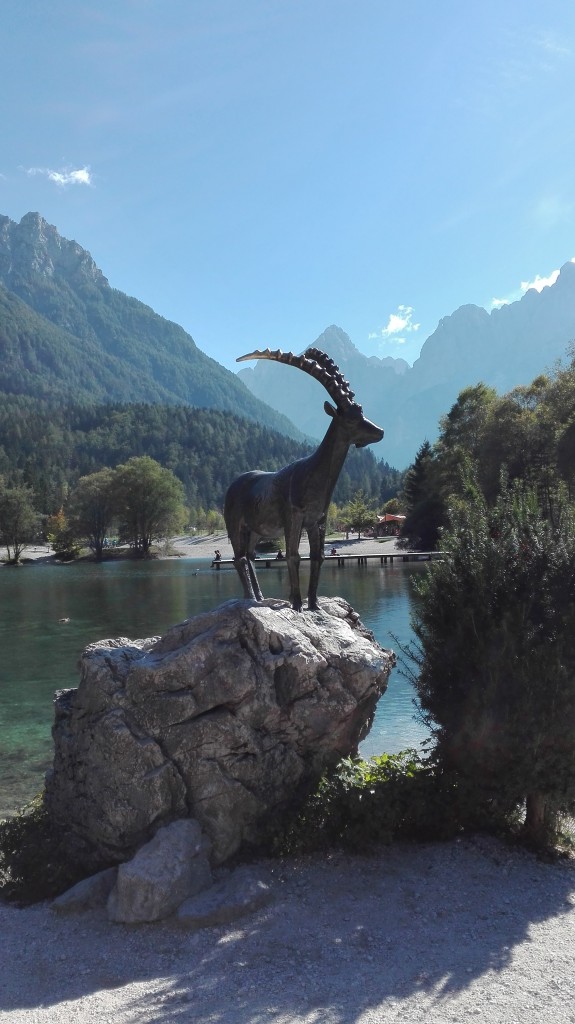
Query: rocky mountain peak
x: 341, y: 348
x: 566, y: 277
x: 35, y: 248
x: 337, y: 343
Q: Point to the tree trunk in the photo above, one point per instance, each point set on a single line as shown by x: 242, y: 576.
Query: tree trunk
x: 539, y: 820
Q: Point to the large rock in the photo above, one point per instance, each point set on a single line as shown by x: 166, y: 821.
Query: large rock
x: 233, y: 896
x: 91, y: 892
x: 227, y: 719
x: 164, y: 872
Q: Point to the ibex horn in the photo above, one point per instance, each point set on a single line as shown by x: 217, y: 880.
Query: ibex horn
x: 315, y: 362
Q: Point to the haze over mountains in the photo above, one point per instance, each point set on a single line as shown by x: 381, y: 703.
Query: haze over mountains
x: 66, y: 335
x: 505, y: 348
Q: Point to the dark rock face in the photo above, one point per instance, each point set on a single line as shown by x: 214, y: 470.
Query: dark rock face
x: 224, y: 719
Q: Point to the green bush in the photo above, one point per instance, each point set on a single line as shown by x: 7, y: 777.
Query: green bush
x: 33, y: 862
x: 362, y: 803
x: 495, y: 623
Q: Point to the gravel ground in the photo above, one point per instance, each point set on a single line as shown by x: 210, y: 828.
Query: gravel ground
x: 434, y: 933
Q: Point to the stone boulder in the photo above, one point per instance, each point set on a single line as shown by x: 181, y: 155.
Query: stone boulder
x: 169, y: 869
x: 235, y: 894
x: 228, y: 718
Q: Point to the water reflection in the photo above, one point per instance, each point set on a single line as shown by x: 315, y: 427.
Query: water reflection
x: 40, y: 654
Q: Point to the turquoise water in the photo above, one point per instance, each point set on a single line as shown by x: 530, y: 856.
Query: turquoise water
x: 135, y: 599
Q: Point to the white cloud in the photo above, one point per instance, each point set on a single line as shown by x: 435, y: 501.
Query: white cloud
x: 68, y: 176
x: 539, y: 283
x: 398, y: 324
x: 394, y: 324
x: 400, y: 321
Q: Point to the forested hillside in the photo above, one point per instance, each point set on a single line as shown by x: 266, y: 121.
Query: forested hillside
x: 49, y: 449
x: 90, y: 377
x: 66, y: 335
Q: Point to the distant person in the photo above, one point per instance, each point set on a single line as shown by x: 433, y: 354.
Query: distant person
x: 217, y: 558
x: 280, y: 555
x: 333, y: 551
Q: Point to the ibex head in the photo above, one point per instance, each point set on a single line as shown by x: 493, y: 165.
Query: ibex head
x: 319, y: 365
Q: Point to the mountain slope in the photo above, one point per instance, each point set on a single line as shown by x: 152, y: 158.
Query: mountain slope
x: 65, y: 334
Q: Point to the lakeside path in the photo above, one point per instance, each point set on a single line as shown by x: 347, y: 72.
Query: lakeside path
x: 204, y: 546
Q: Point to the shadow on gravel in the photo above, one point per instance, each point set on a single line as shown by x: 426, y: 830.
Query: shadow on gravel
x: 411, y: 928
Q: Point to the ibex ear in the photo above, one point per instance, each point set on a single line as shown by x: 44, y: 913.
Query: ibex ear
x: 330, y: 410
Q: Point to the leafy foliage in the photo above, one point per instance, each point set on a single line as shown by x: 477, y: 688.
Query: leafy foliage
x: 149, y: 499
x: 495, y: 622
x: 92, y: 507
x: 359, y: 514
x: 50, y: 448
x: 19, y: 522
x: 61, y: 536
x: 528, y: 433
x: 362, y: 803
x: 424, y: 509
x: 33, y: 861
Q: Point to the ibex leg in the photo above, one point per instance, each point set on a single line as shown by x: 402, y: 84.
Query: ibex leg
x: 247, y: 574
x: 316, y: 536
x: 293, y: 536
x: 252, y: 576
x: 244, y: 564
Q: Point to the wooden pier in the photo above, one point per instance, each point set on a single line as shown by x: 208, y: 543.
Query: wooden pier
x: 269, y: 562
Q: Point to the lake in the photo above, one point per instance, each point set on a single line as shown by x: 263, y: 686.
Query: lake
x: 141, y: 599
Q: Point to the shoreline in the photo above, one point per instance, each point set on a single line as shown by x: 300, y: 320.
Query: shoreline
x: 204, y: 546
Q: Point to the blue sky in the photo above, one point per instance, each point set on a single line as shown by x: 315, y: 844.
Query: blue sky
x: 258, y: 170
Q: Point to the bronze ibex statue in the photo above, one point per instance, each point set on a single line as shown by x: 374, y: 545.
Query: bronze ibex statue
x: 297, y: 497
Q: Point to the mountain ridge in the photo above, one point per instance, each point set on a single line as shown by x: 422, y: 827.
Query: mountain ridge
x: 67, y: 335
x: 504, y: 348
